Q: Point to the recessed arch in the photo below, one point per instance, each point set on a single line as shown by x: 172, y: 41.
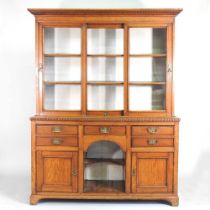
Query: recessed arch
x: 104, y: 167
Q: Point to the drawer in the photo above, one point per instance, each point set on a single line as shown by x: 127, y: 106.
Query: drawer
x: 152, y: 142
x: 152, y: 130
x: 106, y: 129
x: 57, y: 141
x: 56, y: 129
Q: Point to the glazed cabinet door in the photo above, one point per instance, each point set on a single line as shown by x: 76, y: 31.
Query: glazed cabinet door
x: 61, y: 68
x: 152, y: 172
x: 57, y: 171
x: 147, y: 69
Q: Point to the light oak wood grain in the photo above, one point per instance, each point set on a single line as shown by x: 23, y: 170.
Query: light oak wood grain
x: 60, y: 138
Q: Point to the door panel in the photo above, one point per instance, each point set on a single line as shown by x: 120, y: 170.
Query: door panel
x: 152, y: 172
x: 57, y: 171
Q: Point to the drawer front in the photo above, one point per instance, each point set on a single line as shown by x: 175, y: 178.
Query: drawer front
x: 108, y: 130
x: 57, y: 141
x: 152, y: 130
x: 152, y: 142
x: 56, y: 129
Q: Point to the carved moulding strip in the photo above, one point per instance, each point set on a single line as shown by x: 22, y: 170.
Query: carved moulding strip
x: 99, y: 12
x: 106, y: 119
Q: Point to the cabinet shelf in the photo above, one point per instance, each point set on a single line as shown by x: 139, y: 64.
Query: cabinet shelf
x: 147, y: 55
x: 90, y: 161
x: 61, y: 55
x: 62, y: 83
x: 105, y: 83
x: 147, y: 83
x: 105, y: 55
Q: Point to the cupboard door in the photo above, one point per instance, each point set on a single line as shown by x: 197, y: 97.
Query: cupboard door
x: 57, y: 171
x: 152, y: 172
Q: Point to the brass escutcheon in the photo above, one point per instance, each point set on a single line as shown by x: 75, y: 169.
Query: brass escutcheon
x: 74, y: 172
x: 104, y: 130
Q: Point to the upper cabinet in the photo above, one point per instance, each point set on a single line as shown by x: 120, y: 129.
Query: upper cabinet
x: 100, y: 62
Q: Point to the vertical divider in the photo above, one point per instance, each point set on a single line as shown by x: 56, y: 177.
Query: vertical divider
x: 128, y: 168
x: 39, y: 65
x: 175, y: 159
x: 169, y: 71
x: 81, y: 160
x: 84, y: 69
x: 33, y: 157
x: 133, y: 178
x: 126, y: 48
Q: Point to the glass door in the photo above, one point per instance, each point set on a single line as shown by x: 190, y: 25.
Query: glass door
x: 62, y: 69
x: 147, y: 69
x: 105, y: 69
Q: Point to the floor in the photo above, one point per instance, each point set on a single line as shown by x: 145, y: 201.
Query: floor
x: 15, y: 192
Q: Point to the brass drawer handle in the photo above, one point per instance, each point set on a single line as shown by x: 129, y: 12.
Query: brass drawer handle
x: 152, y: 130
x: 74, y: 172
x: 104, y: 130
x: 152, y: 141
x: 57, y: 141
x: 56, y: 129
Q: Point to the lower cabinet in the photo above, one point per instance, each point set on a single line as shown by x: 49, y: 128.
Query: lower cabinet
x: 152, y: 172
x: 57, y: 171
x: 85, y: 162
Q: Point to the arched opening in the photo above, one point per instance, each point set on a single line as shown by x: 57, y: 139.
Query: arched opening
x: 104, y: 168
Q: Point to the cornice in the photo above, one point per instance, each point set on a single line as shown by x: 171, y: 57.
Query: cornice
x: 106, y: 12
x: 106, y: 119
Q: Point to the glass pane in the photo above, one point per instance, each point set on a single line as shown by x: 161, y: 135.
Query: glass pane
x: 147, y: 40
x: 105, y: 97
x: 62, y: 97
x: 148, y: 97
x: 105, y: 69
x: 147, y: 69
x: 104, y: 168
x: 62, y: 69
x: 62, y: 40
x: 105, y: 41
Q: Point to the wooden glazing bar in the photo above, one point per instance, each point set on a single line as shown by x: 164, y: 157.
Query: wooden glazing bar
x: 147, y: 83
x: 147, y: 55
x: 105, y: 55
x: 126, y: 52
x: 84, y: 69
x: 105, y: 83
x: 62, y: 83
x: 61, y: 55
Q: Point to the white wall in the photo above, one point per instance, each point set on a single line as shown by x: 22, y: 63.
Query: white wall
x: 191, y: 79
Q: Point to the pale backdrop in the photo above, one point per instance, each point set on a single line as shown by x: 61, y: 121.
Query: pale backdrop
x: 192, y: 95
